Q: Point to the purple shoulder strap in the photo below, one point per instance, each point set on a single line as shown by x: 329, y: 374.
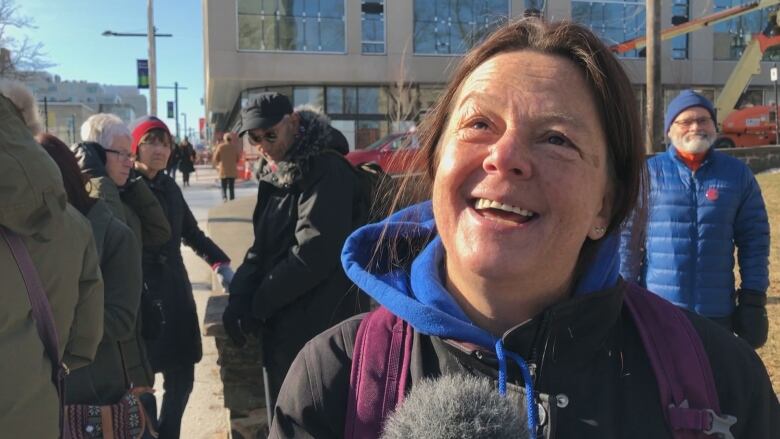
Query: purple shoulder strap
x: 681, y: 366
x: 41, y: 311
x: 379, y: 373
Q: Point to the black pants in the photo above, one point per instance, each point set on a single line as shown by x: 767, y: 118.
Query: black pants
x: 178, y: 385
x: 228, y: 184
x: 185, y: 178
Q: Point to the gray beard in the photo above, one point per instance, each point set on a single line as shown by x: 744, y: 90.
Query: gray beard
x: 696, y: 145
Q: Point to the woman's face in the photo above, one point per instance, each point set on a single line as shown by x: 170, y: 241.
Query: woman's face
x: 521, y: 179
x: 153, y: 156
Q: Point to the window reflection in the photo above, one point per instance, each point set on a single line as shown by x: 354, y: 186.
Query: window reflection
x: 613, y: 21
x: 732, y: 36
x: 372, y: 18
x: 291, y: 25
x: 453, y: 26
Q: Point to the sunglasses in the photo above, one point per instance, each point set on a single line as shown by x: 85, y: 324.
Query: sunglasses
x: 257, y: 139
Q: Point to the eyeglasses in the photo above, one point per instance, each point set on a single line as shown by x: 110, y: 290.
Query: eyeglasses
x: 269, y: 137
x: 700, y: 121
x: 122, y: 155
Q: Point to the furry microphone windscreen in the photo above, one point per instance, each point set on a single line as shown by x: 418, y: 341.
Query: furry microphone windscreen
x: 457, y: 406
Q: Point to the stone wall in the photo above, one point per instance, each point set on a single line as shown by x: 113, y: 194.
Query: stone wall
x: 241, y: 369
x: 759, y: 159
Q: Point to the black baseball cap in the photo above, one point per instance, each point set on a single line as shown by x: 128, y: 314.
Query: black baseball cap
x: 264, y: 111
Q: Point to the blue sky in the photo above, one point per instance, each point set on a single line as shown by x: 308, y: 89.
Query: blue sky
x: 71, y: 34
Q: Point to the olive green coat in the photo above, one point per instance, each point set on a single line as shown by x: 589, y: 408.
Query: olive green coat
x: 137, y: 207
x: 104, y: 381
x: 60, y: 242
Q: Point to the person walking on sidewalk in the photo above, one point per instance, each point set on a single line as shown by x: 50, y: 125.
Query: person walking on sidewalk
x: 178, y: 347
x: 225, y: 159
x: 703, y: 205
x: 186, y: 161
x: 173, y: 162
x: 290, y: 280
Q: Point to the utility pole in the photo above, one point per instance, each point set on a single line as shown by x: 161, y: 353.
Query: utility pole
x: 176, y: 106
x: 773, y: 77
x: 46, y: 113
x: 185, y: 123
x: 654, y: 136
x: 152, y: 58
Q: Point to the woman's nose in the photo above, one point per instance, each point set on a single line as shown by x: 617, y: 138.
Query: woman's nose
x: 509, y: 156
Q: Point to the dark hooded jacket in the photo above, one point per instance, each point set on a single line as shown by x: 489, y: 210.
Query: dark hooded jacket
x: 105, y: 380
x: 166, y: 278
x: 591, y: 375
x: 291, y: 279
x: 135, y: 205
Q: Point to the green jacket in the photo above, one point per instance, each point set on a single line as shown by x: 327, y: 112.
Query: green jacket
x: 137, y: 206
x: 59, y: 239
x: 104, y: 381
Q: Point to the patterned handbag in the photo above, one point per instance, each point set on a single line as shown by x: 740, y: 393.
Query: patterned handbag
x: 126, y: 419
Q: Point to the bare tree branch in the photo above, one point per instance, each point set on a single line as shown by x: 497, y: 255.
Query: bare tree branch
x: 19, y: 57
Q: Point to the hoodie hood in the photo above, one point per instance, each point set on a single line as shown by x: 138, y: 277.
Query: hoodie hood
x: 416, y: 293
x: 32, y: 195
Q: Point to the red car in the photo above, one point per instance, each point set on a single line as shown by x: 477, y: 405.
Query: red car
x: 394, y: 153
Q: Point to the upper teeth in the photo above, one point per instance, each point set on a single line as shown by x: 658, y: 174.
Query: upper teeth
x: 490, y: 204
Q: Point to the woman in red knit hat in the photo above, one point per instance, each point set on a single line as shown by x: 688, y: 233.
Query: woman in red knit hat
x: 178, y: 347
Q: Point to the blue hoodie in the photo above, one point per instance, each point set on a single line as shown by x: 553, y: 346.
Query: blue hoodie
x: 418, y: 295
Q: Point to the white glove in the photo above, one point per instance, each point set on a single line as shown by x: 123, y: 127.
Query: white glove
x: 225, y: 276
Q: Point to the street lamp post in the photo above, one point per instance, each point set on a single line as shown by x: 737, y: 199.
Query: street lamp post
x: 151, y: 34
x: 152, y: 58
x: 185, y: 123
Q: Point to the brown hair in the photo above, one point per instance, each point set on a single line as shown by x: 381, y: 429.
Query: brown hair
x: 608, y: 83
x: 156, y: 135
x: 72, y: 178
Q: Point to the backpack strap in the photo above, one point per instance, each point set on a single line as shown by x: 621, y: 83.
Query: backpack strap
x: 379, y: 373
x: 681, y: 366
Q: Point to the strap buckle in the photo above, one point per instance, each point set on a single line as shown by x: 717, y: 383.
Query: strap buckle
x: 720, y: 426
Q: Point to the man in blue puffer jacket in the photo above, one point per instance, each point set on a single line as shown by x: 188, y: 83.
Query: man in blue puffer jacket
x: 703, y: 203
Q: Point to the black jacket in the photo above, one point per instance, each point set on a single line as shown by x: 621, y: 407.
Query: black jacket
x: 291, y: 279
x: 166, y: 278
x: 586, y: 348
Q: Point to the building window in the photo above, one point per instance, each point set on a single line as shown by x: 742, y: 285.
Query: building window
x: 291, y: 25
x: 680, y: 14
x: 307, y: 96
x: 614, y: 21
x: 534, y: 8
x: 453, y: 26
x: 372, y: 17
x: 732, y: 36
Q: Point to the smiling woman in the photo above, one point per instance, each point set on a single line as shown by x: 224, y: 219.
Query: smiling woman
x: 534, y: 160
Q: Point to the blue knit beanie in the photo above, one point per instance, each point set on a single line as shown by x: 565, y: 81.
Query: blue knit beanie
x: 684, y: 101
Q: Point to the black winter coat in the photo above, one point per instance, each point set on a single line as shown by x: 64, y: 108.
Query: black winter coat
x: 291, y: 278
x: 586, y: 348
x: 166, y: 278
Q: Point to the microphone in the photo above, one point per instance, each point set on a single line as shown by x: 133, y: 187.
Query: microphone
x: 457, y: 406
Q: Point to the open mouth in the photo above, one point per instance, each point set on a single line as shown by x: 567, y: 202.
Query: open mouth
x: 495, y: 210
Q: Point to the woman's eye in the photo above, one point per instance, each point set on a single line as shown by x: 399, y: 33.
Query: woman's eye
x: 479, y: 125
x: 557, y: 140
